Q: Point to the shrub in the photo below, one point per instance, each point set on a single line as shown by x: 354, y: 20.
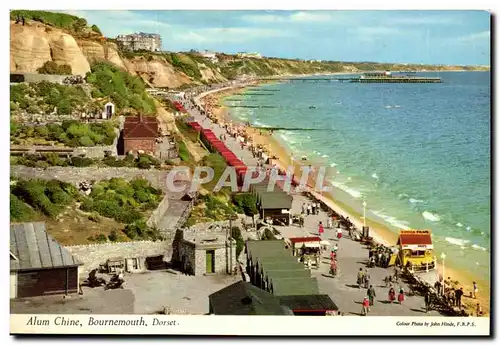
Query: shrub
x: 94, y: 218
x: 96, y: 29
x: 125, y: 90
x: 113, y: 236
x: 50, y: 67
x: 137, y: 229
x: 81, y: 161
x: 33, y: 193
x: 268, y: 235
x: 240, y: 242
x: 19, y: 211
x: 246, y: 203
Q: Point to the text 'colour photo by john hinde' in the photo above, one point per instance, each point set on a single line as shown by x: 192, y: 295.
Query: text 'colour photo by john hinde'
x: 217, y: 172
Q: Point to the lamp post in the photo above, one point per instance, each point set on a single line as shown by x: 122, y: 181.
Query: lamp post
x: 443, y: 256
x: 364, y: 213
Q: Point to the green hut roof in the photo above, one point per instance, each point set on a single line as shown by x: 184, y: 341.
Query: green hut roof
x: 275, y: 200
x: 299, y: 273
x: 295, y: 286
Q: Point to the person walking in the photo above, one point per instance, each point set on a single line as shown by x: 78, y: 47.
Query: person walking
x: 365, y: 306
x: 391, y: 295
x: 318, y: 207
x: 360, y: 278
x: 475, y: 290
x: 401, y: 296
x: 303, y: 208
x: 339, y: 233
x: 366, y: 278
x: 458, y: 297
x: 371, y: 295
x: 309, y: 209
x: 329, y: 223
x: 321, y: 230
x: 427, y: 301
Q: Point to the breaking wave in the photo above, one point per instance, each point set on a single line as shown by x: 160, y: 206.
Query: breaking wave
x: 456, y: 241
x: 392, y: 220
x: 431, y: 216
x: 415, y: 201
x: 351, y: 191
x: 478, y: 247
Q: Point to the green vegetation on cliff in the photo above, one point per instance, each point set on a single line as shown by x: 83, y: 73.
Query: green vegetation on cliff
x: 50, y: 67
x: 60, y: 20
x: 125, y: 90
x: 70, y: 133
x: 45, y: 97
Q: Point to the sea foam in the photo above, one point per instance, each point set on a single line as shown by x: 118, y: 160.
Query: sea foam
x: 415, y: 201
x: 431, y: 216
x: 375, y: 176
x: 478, y: 247
x: 351, y: 191
x: 392, y: 220
x: 456, y: 241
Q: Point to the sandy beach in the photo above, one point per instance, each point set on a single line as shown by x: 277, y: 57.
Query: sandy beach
x: 380, y: 232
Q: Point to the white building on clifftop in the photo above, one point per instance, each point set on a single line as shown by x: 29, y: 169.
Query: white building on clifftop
x: 140, y: 41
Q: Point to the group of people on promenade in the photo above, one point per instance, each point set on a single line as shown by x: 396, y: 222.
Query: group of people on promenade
x: 380, y: 256
x: 363, y: 280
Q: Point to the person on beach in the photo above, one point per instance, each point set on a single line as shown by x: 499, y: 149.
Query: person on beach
x: 365, y: 306
x: 392, y: 295
x: 360, y: 278
x: 321, y: 230
x: 479, y: 310
x: 475, y: 290
x: 458, y: 297
x: 371, y: 295
x: 401, y: 296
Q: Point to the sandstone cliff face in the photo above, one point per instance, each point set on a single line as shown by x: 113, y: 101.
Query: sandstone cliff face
x: 34, y: 44
x: 95, y: 52
x: 157, y: 72
x: 65, y: 51
x: 29, y: 48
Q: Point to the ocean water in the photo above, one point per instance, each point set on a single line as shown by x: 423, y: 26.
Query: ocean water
x: 419, y: 154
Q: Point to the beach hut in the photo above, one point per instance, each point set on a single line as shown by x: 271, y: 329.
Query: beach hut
x: 275, y: 205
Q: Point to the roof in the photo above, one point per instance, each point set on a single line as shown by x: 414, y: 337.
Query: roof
x: 415, y: 237
x: 288, y: 273
x: 308, y: 302
x: 304, y: 239
x: 295, y: 286
x: 140, y: 127
x: 34, y: 248
x: 254, y: 246
x: 275, y: 200
x: 242, y: 298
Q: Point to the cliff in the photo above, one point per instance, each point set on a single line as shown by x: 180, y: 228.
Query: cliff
x: 35, y: 43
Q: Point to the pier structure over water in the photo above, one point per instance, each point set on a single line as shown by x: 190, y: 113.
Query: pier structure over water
x: 366, y: 78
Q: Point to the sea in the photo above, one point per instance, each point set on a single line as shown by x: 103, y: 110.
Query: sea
x: 417, y: 154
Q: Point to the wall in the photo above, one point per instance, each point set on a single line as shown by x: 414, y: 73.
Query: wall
x: 221, y: 259
x: 94, y: 254
x: 158, y: 213
x: 186, y: 252
x: 146, y: 145
x: 13, y: 284
x: 157, y: 178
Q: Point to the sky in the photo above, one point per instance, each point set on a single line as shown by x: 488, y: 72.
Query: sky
x: 428, y: 37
